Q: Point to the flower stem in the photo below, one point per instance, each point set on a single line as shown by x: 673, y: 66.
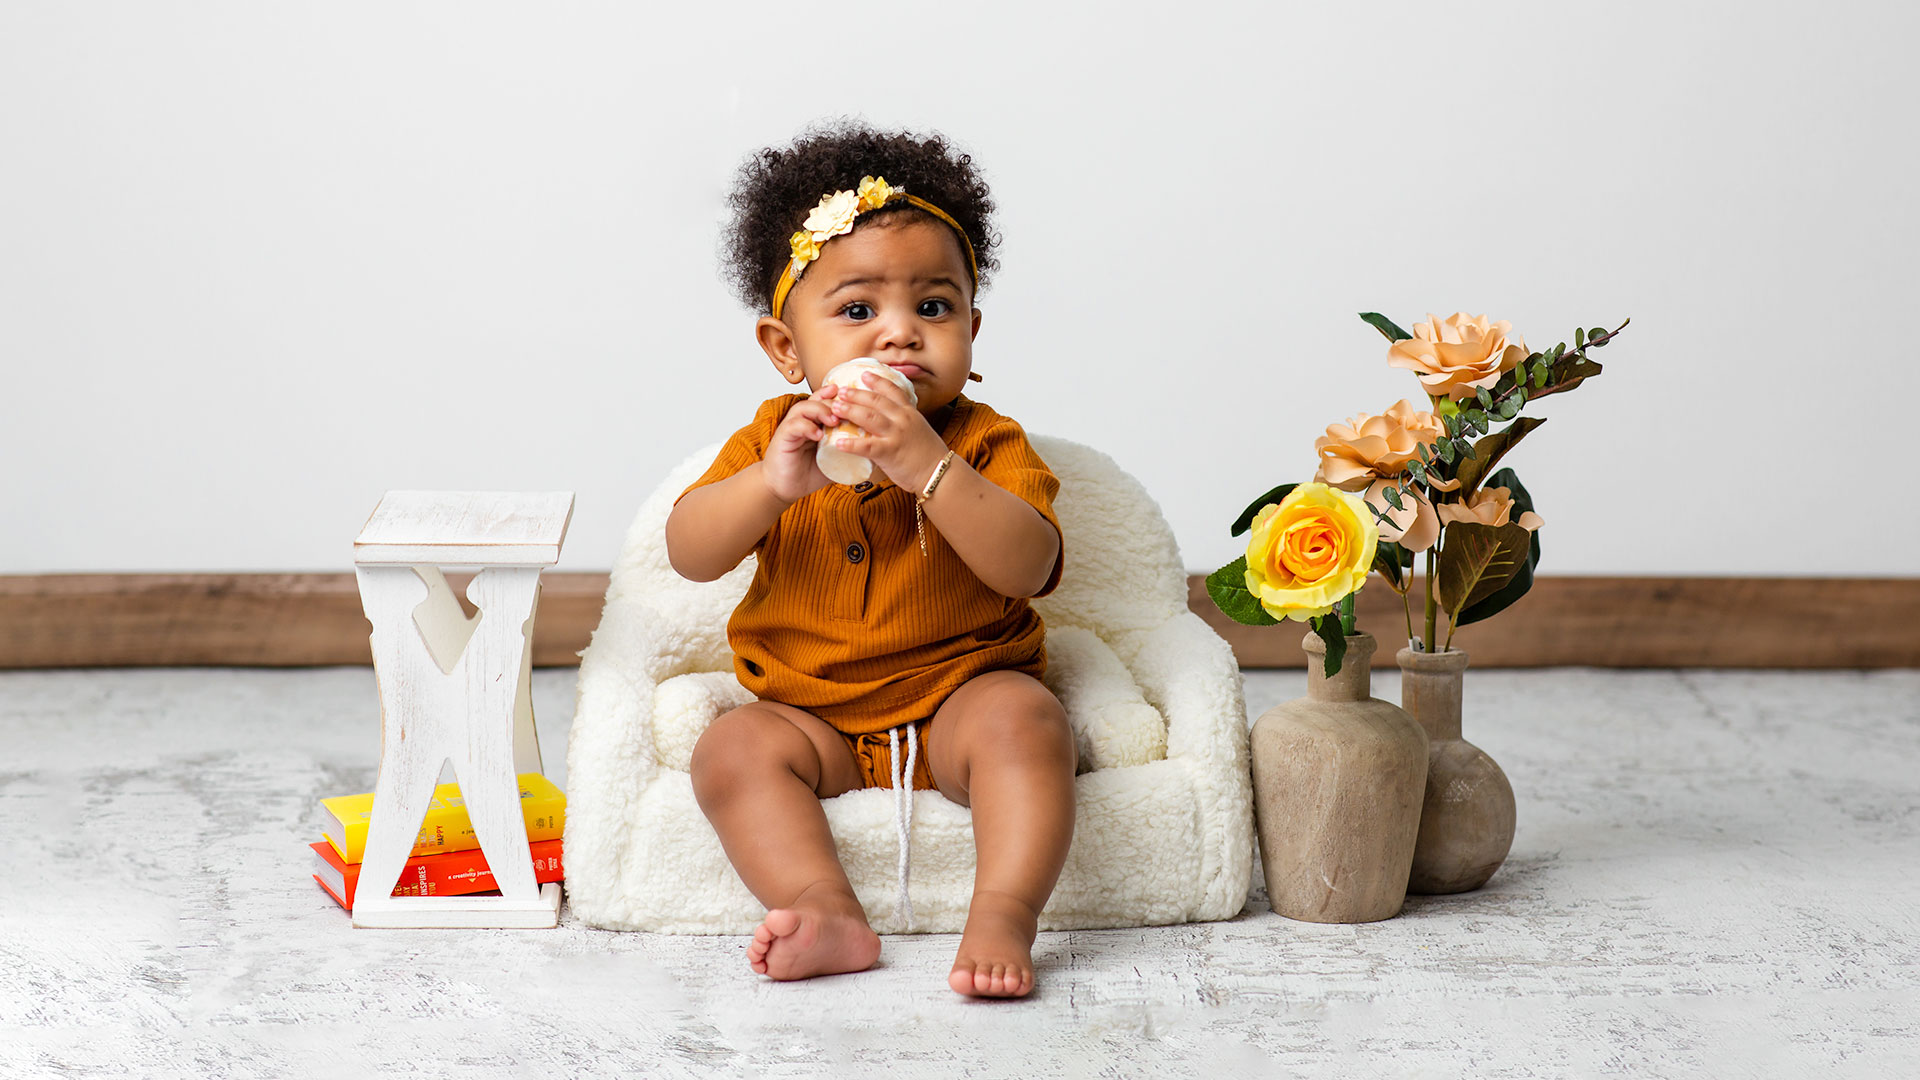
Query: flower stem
x: 1433, y: 605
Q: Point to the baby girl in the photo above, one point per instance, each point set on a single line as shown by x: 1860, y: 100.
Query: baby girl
x: 889, y: 614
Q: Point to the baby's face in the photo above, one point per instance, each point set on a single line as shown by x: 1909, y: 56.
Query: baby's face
x: 898, y: 292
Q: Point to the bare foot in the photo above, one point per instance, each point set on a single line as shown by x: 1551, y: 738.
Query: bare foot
x: 823, y: 933
x: 996, y: 951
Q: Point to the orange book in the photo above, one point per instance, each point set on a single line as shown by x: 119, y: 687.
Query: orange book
x: 451, y: 873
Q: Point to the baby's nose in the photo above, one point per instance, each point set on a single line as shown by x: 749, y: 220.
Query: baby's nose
x: 896, y: 330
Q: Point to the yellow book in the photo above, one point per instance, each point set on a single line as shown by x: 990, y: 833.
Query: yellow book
x: 446, y: 826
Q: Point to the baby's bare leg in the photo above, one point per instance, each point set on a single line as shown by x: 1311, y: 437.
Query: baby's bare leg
x: 1001, y: 745
x: 759, y: 773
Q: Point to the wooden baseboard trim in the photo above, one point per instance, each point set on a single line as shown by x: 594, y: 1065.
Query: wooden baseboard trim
x: 305, y: 620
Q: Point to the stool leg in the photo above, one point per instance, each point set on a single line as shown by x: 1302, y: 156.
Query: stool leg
x: 412, y: 735
x: 485, y: 763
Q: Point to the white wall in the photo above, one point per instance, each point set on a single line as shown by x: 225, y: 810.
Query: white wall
x: 259, y: 263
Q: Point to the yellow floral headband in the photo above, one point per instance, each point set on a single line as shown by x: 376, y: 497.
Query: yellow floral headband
x: 834, y: 217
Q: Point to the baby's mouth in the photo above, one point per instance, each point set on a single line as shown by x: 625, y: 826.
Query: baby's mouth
x: 911, y: 371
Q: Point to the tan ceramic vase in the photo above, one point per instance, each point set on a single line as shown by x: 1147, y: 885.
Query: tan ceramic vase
x: 1337, y: 778
x: 1466, y: 825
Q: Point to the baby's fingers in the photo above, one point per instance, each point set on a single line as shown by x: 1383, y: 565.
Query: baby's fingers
x: 863, y: 416
x: 812, y: 415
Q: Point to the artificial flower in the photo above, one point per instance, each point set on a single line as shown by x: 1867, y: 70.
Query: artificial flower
x: 874, y: 192
x: 1456, y: 356
x: 1365, y: 448
x: 1489, y: 506
x: 1415, y: 526
x: 1309, y: 551
x: 833, y: 216
x: 805, y: 250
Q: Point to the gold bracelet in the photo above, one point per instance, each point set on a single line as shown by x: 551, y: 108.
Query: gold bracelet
x: 933, y: 481
x: 919, y: 522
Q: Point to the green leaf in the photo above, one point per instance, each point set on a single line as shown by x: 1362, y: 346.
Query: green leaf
x: 1228, y: 587
x: 1509, y: 408
x: 1388, y: 558
x: 1385, y: 326
x: 1565, y: 377
x: 1483, y: 397
x: 1445, y: 448
x: 1579, y: 339
x: 1245, y: 520
x: 1522, y: 580
x: 1476, y: 560
x: 1598, y: 331
x: 1328, y: 627
x: 1392, y: 495
x: 1488, y: 452
x: 1425, y: 454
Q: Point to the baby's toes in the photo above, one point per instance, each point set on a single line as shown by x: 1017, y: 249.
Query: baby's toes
x: 963, y: 980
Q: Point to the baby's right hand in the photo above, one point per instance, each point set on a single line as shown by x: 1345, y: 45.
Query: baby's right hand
x: 789, y: 467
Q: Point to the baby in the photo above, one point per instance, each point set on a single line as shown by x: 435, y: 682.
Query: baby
x: 890, y: 613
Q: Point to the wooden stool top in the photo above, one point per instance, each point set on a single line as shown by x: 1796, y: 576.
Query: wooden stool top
x: 465, y: 528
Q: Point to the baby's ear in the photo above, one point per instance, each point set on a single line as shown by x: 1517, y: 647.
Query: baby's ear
x: 976, y: 325
x: 776, y: 340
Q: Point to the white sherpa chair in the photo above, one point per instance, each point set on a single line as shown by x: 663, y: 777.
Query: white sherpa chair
x: 1164, y: 825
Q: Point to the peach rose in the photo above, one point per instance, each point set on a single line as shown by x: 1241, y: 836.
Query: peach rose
x: 1414, y: 526
x: 1459, y: 355
x: 1354, y: 454
x: 1309, y: 551
x: 1489, y: 506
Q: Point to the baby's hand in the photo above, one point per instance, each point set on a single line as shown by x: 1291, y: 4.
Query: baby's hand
x: 898, y: 439
x: 789, y: 468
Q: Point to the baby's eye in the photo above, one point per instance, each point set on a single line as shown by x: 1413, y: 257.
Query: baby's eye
x: 857, y: 311
x: 933, y: 309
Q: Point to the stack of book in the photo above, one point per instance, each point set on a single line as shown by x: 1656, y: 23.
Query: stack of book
x: 446, y: 858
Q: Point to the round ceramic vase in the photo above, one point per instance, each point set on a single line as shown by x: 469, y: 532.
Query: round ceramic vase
x: 1337, y: 783
x: 1466, y: 824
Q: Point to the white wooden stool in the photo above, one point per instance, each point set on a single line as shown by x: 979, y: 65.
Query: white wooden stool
x: 456, y: 689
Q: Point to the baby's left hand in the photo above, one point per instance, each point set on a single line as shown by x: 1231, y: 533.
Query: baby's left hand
x: 899, y: 440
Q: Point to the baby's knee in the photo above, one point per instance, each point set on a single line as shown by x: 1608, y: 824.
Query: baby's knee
x: 737, y: 749
x: 1030, y: 721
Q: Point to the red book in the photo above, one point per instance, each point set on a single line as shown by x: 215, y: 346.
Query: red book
x: 447, y: 873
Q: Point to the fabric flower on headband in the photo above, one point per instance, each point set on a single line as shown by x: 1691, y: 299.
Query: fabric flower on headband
x: 834, y: 217
x: 874, y: 192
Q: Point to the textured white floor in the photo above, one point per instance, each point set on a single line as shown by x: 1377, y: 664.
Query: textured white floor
x: 1714, y: 876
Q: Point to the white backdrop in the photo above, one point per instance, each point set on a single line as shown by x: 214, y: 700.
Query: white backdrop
x: 259, y: 263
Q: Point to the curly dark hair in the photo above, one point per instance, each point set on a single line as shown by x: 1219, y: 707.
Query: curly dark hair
x: 776, y: 188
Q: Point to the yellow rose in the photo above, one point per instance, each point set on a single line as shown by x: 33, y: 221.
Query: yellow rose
x: 1455, y: 357
x: 1309, y: 551
x: 874, y: 192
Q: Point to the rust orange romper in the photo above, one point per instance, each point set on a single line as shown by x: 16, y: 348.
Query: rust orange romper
x: 846, y: 619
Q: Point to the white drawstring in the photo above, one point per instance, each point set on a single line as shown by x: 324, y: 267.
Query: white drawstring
x: 903, y: 812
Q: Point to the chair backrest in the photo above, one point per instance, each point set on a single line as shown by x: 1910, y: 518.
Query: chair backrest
x: 1123, y: 571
